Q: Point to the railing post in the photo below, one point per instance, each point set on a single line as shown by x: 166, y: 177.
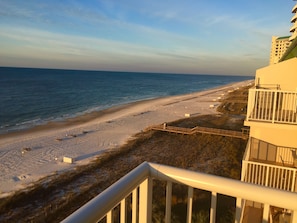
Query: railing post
x: 123, y: 210
x: 267, y: 175
x: 145, y: 201
x: 238, y: 213
x: 134, y: 205
x: 250, y: 103
x: 294, y: 181
x: 274, y: 106
x: 243, y: 170
x: 109, y: 217
x: 213, y: 208
x: 190, y: 204
x: 265, y: 213
x: 168, y: 202
x: 294, y: 216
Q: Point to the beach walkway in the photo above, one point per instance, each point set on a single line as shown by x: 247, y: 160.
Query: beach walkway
x: 244, y: 134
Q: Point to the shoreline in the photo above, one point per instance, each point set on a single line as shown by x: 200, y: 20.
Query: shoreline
x: 89, y: 135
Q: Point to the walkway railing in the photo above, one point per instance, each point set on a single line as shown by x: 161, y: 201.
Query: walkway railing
x: 274, y: 106
x: 244, y: 134
x: 139, y: 183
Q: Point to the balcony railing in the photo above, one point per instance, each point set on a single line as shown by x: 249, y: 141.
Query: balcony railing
x: 273, y: 106
x: 283, y: 178
x: 139, y: 183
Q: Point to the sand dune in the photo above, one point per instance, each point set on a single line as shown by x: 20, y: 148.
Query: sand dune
x: 30, y: 155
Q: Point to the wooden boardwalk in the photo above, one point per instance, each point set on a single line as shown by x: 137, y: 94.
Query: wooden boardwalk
x: 244, y: 134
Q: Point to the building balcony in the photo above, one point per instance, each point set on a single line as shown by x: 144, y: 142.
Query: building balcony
x: 294, y: 18
x: 294, y: 10
x: 293, y: 28
x: 270, y: 165
x: 131, y: 197
x: 272, y: 106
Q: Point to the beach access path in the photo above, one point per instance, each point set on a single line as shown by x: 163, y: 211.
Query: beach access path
x: 27, y: 156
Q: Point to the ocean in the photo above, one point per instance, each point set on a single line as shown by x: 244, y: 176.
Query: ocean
x: 31, y: 96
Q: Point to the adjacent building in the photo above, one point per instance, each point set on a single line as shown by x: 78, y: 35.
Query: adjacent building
x: 279, y: 46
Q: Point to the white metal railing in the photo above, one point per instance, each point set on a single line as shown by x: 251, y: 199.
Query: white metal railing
x: 139, y: 183
x: 275, y: 106
x: 283, y: 178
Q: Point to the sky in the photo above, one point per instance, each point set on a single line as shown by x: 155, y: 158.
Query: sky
x: 231, y: 37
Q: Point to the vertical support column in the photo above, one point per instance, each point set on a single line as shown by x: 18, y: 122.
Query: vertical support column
x: 168, y: 202
x: 213, y: 208
x: 145, y: 201
x: 265, y: 213
x: 239, y: 209
x: 123, y: 210
x: 134, y: 205
x: 190, y: 204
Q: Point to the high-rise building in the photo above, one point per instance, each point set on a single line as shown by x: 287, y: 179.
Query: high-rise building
x: 279, y: 46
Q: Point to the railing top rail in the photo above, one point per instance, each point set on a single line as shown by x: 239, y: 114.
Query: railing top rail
x: 270, y: 165
x: 273, y: 90
x: 97, y: 208
x: 226, y: 186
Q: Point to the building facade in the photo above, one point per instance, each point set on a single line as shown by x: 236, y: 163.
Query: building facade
x: 279, y: 46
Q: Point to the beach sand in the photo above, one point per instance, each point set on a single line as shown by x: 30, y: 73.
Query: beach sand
x: 27, y: 156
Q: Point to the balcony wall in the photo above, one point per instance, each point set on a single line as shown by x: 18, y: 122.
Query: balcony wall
x: 283, y: 74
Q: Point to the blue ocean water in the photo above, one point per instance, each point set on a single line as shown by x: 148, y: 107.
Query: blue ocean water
x: 30, y: 96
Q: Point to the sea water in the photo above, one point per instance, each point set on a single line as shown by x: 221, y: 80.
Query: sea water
x: 30, y: 96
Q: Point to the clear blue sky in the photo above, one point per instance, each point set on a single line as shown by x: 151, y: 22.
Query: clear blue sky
x: 175, y: 36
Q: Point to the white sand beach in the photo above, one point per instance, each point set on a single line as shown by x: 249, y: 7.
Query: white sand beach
x: 27, y: 156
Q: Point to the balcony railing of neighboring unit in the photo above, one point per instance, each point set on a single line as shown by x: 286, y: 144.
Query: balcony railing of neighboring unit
x: 274, y: 106
x: 283, y: 178
x: 139, y: 183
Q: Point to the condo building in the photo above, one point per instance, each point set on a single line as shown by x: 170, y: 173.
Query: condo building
x: 279, y: 46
